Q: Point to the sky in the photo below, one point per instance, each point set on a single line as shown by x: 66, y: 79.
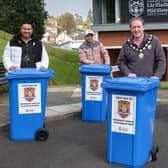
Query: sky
x: 58, y: 7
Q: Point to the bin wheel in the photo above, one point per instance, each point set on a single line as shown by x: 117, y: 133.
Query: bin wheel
x: 42, y: 134
x: 154, y: 151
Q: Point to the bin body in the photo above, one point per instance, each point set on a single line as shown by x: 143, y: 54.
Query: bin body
x: 93, y: 96
x: 27, y: 98
x: 131, y: 116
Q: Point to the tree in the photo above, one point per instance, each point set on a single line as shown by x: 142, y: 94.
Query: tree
x: 90, y: 15
x: 14, y: 12
x: 89, y: 20
x: 67, y: 22
x: 78, y: 19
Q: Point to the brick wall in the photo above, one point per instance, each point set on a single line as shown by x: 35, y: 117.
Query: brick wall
x: 117, y: 38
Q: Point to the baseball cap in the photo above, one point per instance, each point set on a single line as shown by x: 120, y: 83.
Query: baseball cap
x: 89, y: 32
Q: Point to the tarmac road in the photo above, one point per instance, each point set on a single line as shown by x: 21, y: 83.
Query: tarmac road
x: 75, y: 144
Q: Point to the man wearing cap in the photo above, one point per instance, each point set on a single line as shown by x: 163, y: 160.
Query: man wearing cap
x: 92, y: 51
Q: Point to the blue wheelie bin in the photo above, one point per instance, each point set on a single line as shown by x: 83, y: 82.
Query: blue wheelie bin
x: 93, y: 96
x: 131, y: 116
x: 27, y: 98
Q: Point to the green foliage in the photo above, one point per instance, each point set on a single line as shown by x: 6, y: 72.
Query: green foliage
x: 2, y: 46
x: 14, y: 13
x: 164, y: 85
x: 4, y: 88
x: 66, y: 64
x: 65, y: 55
x: 4, y: 37
x: 78, y: 19
x: 67, y: 22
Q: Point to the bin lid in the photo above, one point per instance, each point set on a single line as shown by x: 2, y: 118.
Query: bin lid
x: 131, y: 83
x: 29, y: 73
x: 96, y: 68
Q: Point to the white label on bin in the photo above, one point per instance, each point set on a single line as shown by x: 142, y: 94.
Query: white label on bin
x: 29, y: 95
x: 123, y: 114
x: 93, y: 88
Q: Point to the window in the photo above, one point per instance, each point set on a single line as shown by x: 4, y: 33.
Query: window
x: 106, y: 11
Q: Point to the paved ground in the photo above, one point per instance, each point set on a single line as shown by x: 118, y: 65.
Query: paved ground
x: 75, y: 144
x: 72, y: 143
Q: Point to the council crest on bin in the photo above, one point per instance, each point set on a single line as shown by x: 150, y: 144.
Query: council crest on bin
x: 123, y: 108
x: 94, y: 84
x: 29, y: 93
x: 136, y: 7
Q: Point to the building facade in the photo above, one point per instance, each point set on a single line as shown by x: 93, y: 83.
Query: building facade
x: 111, y: 22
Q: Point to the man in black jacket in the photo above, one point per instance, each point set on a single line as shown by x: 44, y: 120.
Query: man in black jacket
x: 25, y: 50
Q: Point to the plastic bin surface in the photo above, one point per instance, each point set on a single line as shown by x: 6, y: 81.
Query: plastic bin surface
x: 95, y: 68
x: 93, y: 96
x: 131, y: 114
x: 29, y: 73
x: 131, y: 83
x: 27, y: 97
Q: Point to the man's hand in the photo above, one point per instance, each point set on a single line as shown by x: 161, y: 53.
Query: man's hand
x: 12, y: 68
x: 155, y: 77
x: 43, y: 67
x: 131, y: 75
